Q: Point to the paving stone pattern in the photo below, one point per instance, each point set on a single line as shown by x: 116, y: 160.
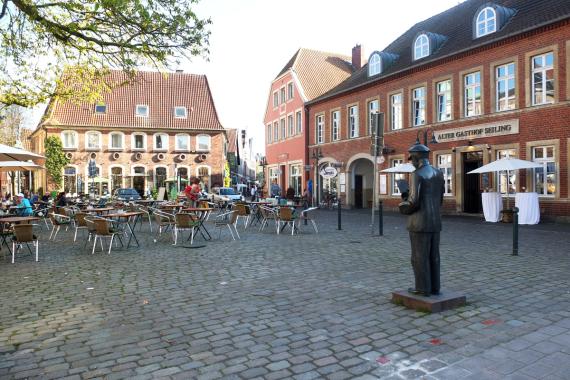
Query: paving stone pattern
x: 289, y: 307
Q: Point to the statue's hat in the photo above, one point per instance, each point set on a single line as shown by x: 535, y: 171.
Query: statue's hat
x: 418, y: 148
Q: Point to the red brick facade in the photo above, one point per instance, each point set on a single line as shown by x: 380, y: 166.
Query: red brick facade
x: 542, y: 125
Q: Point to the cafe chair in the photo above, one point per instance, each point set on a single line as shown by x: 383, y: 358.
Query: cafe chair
x: 185, y: 222
x: 163, y: 222
x: 286, y: 218
x: 41, y: 213
x: 79, y: 223
x: 267, y: 215
x: 103, y: 229
x: 228, y: 219
x: 146, y: 213
x: 243, y: 211
x: 306, y: 216
x: 58, y: 220
x: 24, y: 234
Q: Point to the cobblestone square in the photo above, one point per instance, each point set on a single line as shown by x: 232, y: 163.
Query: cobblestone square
x: 279, y: 306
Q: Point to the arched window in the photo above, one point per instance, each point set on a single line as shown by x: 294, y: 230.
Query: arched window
x: 116, y: 178
x: 374, y: 65
x: 421, y: 47
x: 182, y: 173
x: 486, y: 22
x: 70, y: 177
x: 203, y: 173
x: 93, y: 140
x: 69, y: 139
x: 160, y: 175
x: 161, y: 141
x: 182, y: 142
x: 139, y: 179
x: 203, y: 143
x: 116, y: 140
x: 138, y: 141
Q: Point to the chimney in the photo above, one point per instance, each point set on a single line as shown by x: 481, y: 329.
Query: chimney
x: 357, y: 57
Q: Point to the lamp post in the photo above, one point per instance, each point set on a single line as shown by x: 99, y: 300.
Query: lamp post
x: 317, y: 155
x: 263, y: 164
x: 377, y: 146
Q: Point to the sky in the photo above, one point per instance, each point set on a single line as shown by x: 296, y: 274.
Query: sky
x: 252, y: 40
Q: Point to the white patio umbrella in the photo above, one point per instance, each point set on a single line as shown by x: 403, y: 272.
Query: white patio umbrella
x: 8, y: 153
x: 505, y: 164
x: 402, y: 168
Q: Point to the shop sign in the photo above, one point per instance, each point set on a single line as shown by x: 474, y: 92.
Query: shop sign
x: 328, y: 172
x: 501, y: 128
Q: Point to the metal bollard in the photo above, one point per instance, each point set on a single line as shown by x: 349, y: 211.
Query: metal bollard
x: 380, y: 218
x: 515, y: 231
x: 339, y: 217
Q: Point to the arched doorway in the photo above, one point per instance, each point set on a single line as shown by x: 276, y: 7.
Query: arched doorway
x: 139, y: 177
x: 361, y: 183
x: 116, y: 178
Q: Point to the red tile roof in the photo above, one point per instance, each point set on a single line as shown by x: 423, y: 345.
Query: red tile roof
x: 160, y: 91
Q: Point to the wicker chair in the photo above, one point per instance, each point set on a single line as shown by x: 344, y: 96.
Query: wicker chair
x: 228, y: 219
x: 185, y: 222
x: 243, y: 211
x: 24, y: 234
x: 102, y: 229
x: 286, y: 218
x: 58, y: 220
x: 163, y: 221
x: 79, y: 223
x: 268, y: 214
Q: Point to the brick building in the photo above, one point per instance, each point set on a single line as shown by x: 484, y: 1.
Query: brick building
x: 157, y: 129
x: 489, y: 79
x: 306, y: 76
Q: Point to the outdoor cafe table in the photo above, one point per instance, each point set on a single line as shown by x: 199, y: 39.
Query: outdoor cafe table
x: 130, y: 218
x: 529, y: 211
x: 492, y: 206
x: 11, y: 220
x: 101, y: 210
x: 172, y: 206
x: 202, y: 215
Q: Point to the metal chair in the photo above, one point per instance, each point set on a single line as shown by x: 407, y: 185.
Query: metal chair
x: 286, y: 218
x: 228, y: 219
x: 306, y: 216
x: 103, y: 229
x: 79, y: 223
x: 163, y: 221
x: 243, y: 211
x: 58, y: 220
x: 24, y: 234
x: 185, y: 222
x: 268, y: 214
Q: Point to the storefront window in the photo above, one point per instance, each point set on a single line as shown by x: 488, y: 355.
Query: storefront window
x: 444, y: 164
x: 396, y: 176
x: 295, y: 180
x: 545, y: 176
x: 504, y: 183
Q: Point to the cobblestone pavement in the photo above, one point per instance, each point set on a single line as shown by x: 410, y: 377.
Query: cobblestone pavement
x: 301, y: 307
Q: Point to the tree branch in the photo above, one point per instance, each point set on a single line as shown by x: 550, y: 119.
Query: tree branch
x: 4, y: 7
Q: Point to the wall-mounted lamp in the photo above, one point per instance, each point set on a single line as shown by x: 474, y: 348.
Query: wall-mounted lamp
x: 453, y: 149
x: 470, y: 143
x: 488, y: 147
x: 426, y: 132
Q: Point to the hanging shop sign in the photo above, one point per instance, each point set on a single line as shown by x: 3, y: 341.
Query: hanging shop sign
x: 328, y: 172
x: 505, y: 127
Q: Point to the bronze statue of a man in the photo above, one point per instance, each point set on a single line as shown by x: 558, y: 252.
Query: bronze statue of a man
x: 422, y: 204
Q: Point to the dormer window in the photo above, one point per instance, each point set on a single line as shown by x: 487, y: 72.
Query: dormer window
x: 421, y: 47
x: 142, y: 110
x: 374, y: 64
x: 100, y: 108
x: 486, y: 22
x: 180, y: 112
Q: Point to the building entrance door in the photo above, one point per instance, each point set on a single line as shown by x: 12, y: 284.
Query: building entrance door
x: 283, y: 182
x: 358, y: 191
x: 471, y: 188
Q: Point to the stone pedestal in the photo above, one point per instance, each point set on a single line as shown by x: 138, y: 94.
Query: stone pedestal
x: 446, y: 300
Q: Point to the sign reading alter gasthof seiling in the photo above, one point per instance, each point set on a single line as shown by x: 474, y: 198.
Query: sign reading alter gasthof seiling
x: 500, y: 128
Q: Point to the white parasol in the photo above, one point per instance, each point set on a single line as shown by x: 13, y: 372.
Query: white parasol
x: 8, y: 153
x: 402, y: 168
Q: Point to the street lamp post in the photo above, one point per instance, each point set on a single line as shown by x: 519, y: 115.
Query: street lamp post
x: 263, y: 164
x: 377, y: 146
x: 317, y: 155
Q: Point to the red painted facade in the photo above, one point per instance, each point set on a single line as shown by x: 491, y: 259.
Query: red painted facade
x: 538, y: 125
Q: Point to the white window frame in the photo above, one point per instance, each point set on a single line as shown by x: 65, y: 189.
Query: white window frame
x: 176, y: 109
x: 282, y: 95
x: 75, y: 139
x: 299, y: 122
x: 501, y: 177
x: 544, y: 161
x: 177, y: 147
x: 353, y: 126
x: 486, y: 22
x: 122, y: 139
x: 275, y: 99
x: 418, y: 106
x: 290, y: 91
x: 396, y: 111
x: 335, y: 125
x: 373, y: 108
x: 472, y: 101
x: 111, y: 182
x: 100, y: 105
x: 165, y: 146
x: 275, y: 131
x: 75, y: 180
x: 446, y: 167
x: 269, y: 133
x: 282, y: 128
x: 319, y: 126
x: 394, y: 190
x: 99, y: 140
x: 154, y: 176
x: 543, y: 72
x: 140, y: 107
x: 374, y: 65
x: 133, y: 142
x: 444, y: 101
x: 421, y: 47
x: 296, y: 178
x: 290, y: 125
x: 502, y: 103
x: 209, y: 143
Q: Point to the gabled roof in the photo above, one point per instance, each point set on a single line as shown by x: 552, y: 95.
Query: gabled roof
x: 456, y: 24
x: 160, y: 91
x: 318, y: 71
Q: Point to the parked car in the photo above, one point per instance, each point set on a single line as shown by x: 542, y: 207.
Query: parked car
x: 127, y: 194
x: 225, y: 194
